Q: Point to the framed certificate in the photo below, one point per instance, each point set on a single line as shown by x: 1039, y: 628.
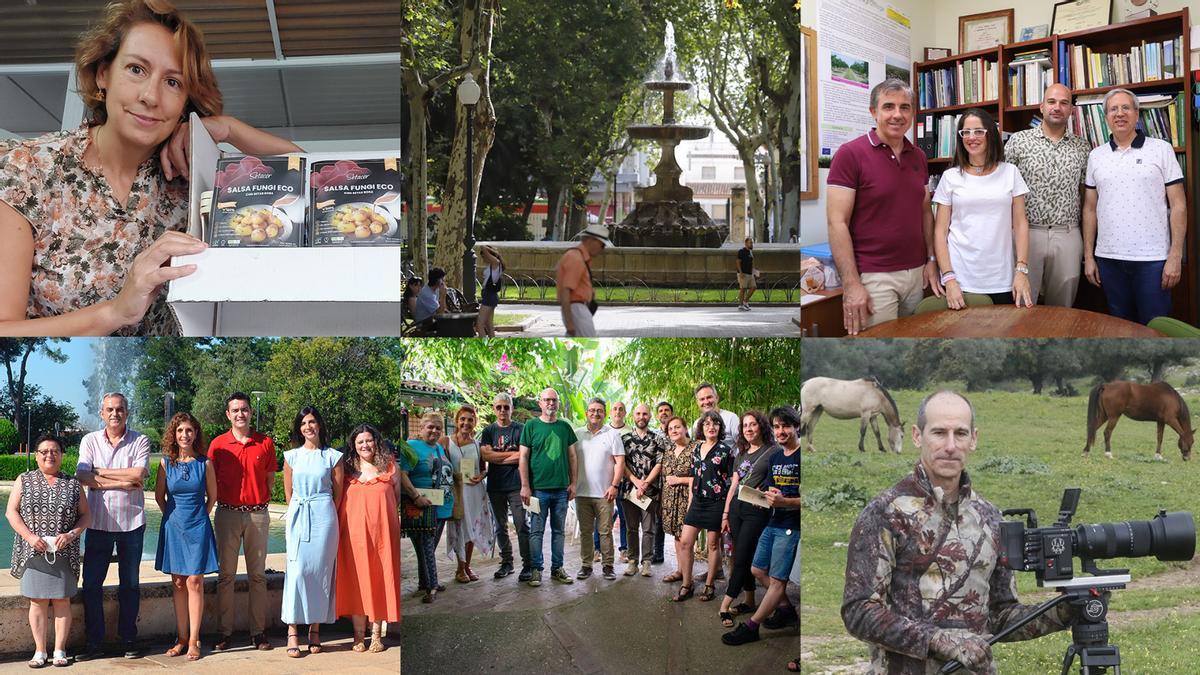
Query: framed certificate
x: 1073, y: 15
x: 932, y: 53
x: 980, y: 31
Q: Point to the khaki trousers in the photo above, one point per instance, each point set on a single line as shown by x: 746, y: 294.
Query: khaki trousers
x: 894, y: 294
x: 234, y: 530
x: 1055, y: 263
x: 588, y: 510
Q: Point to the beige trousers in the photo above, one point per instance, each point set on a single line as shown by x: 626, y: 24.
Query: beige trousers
x: 234, y: 530
x: 894, y: 294
x: 1055, y: 263
x: 589, y: 510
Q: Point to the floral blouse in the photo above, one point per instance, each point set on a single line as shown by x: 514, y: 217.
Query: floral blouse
x: 84, y: 241
x: 712, y: 473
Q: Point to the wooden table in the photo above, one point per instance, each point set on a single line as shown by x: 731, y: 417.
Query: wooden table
x: 823, y: 318
x: 1008, y: 321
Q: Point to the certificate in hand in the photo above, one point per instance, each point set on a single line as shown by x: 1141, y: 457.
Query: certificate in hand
x: 751, y: 496
x: 435, y: 496
x: 535, y: 505
x: 467, y: 467
x: 642, y: 503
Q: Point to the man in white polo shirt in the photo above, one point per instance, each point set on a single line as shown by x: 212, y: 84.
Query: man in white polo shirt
x: 1134, y: 216
x: 112, y: 464
x: 601, y: 465
x: 707, y: 399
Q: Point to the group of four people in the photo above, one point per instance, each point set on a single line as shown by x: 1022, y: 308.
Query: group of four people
x: 342, y: 528
x: 1014, y: 221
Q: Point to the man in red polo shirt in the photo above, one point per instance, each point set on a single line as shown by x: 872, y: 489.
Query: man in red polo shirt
x: 880, y: 220
x: 244, y: 462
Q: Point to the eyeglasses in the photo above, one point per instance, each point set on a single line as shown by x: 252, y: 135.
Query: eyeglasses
x: 972, y: 132
x: 1126, y: 108
x: 49, y: 453
x: 550, y: 400
x: 502, y: 407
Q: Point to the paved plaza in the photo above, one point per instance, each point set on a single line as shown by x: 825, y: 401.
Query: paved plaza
x: 666, y: 321
x: 591, y: 626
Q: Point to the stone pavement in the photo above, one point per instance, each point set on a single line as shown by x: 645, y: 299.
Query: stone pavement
x: 592, y: 626
x: 667, y: 321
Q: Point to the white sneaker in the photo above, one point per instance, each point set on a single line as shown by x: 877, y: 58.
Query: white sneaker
x: 645, y: 569
x: 631, y: 569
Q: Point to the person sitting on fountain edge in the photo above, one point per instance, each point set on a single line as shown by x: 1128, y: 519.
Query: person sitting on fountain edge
x: 933, y: 604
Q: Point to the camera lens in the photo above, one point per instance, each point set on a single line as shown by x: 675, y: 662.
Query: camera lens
x: 1168, y: 536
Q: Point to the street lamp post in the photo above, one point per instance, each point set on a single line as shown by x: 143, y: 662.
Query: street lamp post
x: 257, y: 413
x: 468, y: 96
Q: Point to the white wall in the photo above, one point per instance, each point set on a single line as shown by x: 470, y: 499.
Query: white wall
x: 921, y: 13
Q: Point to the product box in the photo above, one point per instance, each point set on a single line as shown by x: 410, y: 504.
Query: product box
x: 355, y: 202
x: 258, y: 201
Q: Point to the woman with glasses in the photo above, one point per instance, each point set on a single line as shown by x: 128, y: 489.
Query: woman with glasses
x: 712, y: 470
x: 474, y: 528
x: 48, y: 513
x: 428, y: 468
x: 981, y: 219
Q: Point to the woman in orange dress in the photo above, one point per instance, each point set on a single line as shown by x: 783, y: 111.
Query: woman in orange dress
x: 368, y: 560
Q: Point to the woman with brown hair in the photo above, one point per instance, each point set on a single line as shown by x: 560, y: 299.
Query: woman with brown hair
x: 186, y: 492
x: 474, y: 528
x: 368, y: 556
x: 89, y: 217
x: 493, y: 283
x: 677, y: 484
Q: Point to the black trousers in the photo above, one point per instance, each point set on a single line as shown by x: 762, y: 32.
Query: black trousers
x: 746, y: 525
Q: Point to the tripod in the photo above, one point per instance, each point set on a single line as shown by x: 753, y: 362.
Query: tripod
x: 1087, y: 598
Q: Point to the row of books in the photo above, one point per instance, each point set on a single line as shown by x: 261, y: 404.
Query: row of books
x: 969, y: 81
x: 1161, y: 116
x: 1147, y: 62
x: 1029, y: 73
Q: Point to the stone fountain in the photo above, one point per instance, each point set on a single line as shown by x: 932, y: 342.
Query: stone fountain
x: 666, y: 216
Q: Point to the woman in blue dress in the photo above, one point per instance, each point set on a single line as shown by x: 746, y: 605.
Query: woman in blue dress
x: 312, y: 481
x: 186, y: 492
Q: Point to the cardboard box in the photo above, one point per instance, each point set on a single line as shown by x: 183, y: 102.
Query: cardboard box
x: 282, y: 291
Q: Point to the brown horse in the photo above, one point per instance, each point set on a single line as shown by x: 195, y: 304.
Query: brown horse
x: 1143, y: 402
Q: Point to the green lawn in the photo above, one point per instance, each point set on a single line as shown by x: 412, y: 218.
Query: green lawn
x: 1029, y: 450
x: 643, y: 294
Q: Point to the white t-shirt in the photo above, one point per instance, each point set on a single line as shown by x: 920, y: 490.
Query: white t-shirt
x: 981, y: 237
x: 597, y: 457
x: 1133, y: 220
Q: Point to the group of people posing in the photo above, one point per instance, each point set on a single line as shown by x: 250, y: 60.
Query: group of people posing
x: 678, y: 479
x: 1017, y: 222
x: 342, y: 531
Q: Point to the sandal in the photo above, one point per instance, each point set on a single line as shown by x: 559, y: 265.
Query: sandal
x: 461, y: 577
x: 672, y: 578
x: 743, y: 608
x: 709, y: 593
x: 685, y: 592
x: 794, y: 665
x: 359, y: 645
x: 471, y: 573
x: 727, y: 619
x: 293, y: 651
x: 314, y: 646
x: 38, y: 660
x: 178, y: 648
x: 194, y: 656
x: 60, y: 659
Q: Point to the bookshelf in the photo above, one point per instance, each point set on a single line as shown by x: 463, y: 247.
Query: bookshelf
x: 1013, y: 114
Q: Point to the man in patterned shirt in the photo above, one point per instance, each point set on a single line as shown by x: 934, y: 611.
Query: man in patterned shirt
x: 1052, y: 161
x: 643, y: 464
x: 923, y: 584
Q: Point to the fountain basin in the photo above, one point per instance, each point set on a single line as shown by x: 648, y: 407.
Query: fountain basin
x: 667, y: 132
x: 667, y: 85
x: 669, y: 224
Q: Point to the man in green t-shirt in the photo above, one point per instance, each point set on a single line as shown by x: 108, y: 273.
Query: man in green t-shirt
x: 548, y: 474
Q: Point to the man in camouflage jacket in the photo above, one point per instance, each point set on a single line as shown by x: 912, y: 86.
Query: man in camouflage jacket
x: 923, y: 584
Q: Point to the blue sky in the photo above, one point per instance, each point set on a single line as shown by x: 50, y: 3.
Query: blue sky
x: 64, y: 381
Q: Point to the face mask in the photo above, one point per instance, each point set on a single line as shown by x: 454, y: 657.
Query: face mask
x: 51, y: 554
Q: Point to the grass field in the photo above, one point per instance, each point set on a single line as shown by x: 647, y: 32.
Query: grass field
x: 654, y: 294
x: 1029, y: 449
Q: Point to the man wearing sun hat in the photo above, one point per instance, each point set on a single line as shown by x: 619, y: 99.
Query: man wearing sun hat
x: 573, y: 278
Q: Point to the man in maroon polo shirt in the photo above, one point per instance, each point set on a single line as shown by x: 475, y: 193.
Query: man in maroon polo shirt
x: 880, y: 220
x: 244, y: 462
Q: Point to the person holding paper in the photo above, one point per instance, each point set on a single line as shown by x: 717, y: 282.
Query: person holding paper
x: 89, y: 216
x: 601, y: 464
x: 499, y: 444
x: 313, y: 485
x: 664, y: 412
x: 475, y: 528
x: 548, y: 468
x: 743, y: 520
x: 641, y: 489
x: 617, y: 422
x: 780, y: 540
x: 428, y: 469
x: 368, y: 554
x: 712, y: 466
x: 677, y: 485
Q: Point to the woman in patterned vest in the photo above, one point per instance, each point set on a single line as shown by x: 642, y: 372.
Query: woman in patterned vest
x: 48, y: 513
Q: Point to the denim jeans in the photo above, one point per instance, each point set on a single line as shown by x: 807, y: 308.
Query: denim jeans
x: 553, y: 502
x: 619, y: 512
x: 502, y: 504
x: 97, y: 553
x: 1133, y: 288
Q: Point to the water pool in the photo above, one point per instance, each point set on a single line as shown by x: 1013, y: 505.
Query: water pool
x: 275, y: 537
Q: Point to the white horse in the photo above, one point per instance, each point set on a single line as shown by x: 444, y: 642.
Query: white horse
x: 848, y: 399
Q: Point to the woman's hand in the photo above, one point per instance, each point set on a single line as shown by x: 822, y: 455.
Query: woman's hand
x: 724, y: 523
x: 148, y: 272
x: 175, y: 154
x: 475, y: 480
x: 37, y: 543
x: 63, y: 540
x: 1021, y: 291
x: 422, y: 501
x: 954, y: 295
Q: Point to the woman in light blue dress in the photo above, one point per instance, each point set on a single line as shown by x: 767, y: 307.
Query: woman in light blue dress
x: 186, y: 491
x: 312, y: 480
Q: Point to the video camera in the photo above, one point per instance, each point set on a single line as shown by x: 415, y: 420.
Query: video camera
x: 1047, y: 551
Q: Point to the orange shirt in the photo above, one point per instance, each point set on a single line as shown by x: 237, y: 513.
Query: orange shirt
x: 572, y: 273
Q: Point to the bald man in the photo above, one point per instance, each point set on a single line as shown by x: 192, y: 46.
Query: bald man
x: 1053, y: 162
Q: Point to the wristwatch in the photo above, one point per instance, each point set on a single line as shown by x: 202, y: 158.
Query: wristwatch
x: 1022, y: 268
